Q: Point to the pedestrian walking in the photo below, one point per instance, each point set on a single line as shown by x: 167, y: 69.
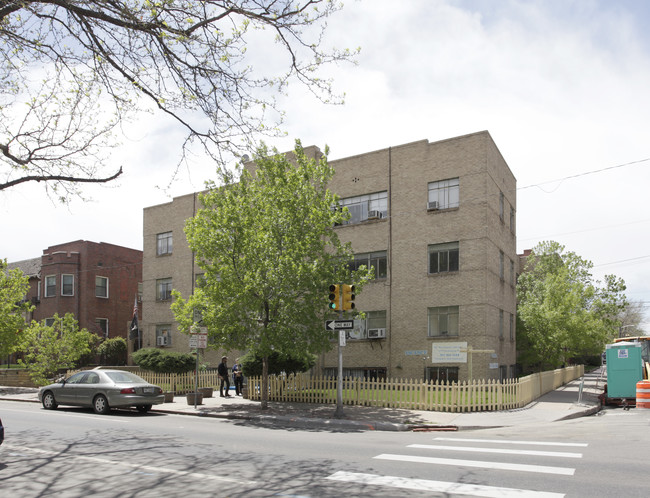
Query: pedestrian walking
x: 238, y: 378
x: 222, y: 370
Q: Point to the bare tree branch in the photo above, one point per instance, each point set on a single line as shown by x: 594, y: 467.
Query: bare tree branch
x: 71, y: 71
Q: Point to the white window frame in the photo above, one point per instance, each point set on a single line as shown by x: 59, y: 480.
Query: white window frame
x: 372, y: 259
x: 164, y: 330
x: 360, y: 206
x: 441, y: 250
x: 445, y: 192
x: 164, y: 243
x: 163, y: 289
x: 445, y: 321
x: 105, y: 280
x: 46, y: 286
x: 63, y: 284
x: 97, y: 323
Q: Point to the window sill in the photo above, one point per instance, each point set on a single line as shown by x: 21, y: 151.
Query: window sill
x: 435, y: 337
x: 442, y: 210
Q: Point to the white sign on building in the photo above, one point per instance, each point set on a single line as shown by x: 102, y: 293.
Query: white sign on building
x: 449, y: 352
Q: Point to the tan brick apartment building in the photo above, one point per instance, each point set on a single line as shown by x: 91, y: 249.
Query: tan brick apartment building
x: 97, y: 282
x: 436, y: 220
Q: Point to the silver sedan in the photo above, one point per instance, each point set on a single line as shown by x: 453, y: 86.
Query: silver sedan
x: 102, y: 390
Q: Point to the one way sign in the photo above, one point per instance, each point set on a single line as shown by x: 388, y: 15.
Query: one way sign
x: 339, y: 324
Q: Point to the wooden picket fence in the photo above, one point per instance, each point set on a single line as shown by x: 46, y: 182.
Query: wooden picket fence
x: 415, y: 394
x: 411, y: 394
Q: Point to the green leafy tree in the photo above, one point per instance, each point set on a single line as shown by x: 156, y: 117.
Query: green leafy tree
x: 159, y: 361
x: 13, y: 289
x: 113, y: 351
x: 563, y: 313
x: 268, y: 250
x: 72, y: 72
x: 278, y: 363
x: 48, y: 349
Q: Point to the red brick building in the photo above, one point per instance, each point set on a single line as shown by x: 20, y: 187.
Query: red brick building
x: 96, y: 282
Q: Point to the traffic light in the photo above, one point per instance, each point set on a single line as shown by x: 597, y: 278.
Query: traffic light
x: 348, y: 297
x: 334, y: 298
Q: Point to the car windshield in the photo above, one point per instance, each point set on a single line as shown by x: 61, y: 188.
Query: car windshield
x: 122, y: 377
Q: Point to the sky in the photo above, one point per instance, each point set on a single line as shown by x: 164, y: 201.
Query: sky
x: 562, y: 86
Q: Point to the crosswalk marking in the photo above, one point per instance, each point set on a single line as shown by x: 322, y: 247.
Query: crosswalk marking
x: 558, y: 454
x: 440, y: 486
x: 505, y: 441
x: 543, y: 469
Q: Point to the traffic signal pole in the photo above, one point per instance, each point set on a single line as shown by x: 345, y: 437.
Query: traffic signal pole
x: 339, y: 382
x: 341, y: 298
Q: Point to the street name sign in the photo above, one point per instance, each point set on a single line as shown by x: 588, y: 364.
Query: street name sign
x: 199, y: 341
x: 339, y: 324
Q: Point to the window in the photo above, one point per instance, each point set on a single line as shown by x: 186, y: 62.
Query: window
x: 512, y: 219
x: 102, y: 326
x: 501, y: 324
x: 164, y: 289
x: 50, y: 285
x: 512, y: 273
x: 372, y: 373
x: 164, y: 335
x: 502, y: 264
x: 512, y: 327
x: 373, y: 327
x: 443, y: 321
x: 366, y: 207
x: 67, y: 285
x: 101, y: 287
x: 444, y: 194
x: 443, y: 257
x: 502, y: 204
x: 442, y: 374
x: 164, y: 243
x: 376, y: 260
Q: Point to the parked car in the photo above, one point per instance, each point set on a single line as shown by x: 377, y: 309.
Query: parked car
x: 102, y: 390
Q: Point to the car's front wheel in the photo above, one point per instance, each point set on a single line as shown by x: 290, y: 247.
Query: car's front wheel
x: 100, y: 405
x: 49, y: 402
x: 144, y: 408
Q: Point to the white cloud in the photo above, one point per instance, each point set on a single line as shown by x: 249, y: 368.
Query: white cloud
x: 561, y: 86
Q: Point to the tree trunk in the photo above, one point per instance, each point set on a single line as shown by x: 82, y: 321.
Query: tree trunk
x: 265, y: 383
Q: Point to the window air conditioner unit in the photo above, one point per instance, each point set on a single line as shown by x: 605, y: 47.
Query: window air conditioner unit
x: 161, y: 341
x: 433, y: 206
x: 374, y: 215
x: 376, y: 333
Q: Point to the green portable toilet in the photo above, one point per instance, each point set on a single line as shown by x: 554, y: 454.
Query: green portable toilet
x: 624, y: 369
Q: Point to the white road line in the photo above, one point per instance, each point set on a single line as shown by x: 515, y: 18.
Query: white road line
x: 501, y: 451
x: 541, y: 469
x: 504, y: 441
x: 440, y: 486
x: 138, y: 467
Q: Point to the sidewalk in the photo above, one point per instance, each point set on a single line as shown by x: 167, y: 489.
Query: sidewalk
x: 560, y: 404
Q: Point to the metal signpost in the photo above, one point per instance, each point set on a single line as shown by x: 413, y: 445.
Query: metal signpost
x: 198, y: 341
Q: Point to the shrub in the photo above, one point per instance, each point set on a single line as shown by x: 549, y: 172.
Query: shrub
x: 159, y: 361
x: 278, y: 363
x: 113, y: 351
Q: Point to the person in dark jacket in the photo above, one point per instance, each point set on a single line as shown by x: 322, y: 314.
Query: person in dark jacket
x: 222, y: 370
x: 238, y: 378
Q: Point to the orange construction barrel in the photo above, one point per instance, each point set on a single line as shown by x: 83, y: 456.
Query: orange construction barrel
x: 643, y: 394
